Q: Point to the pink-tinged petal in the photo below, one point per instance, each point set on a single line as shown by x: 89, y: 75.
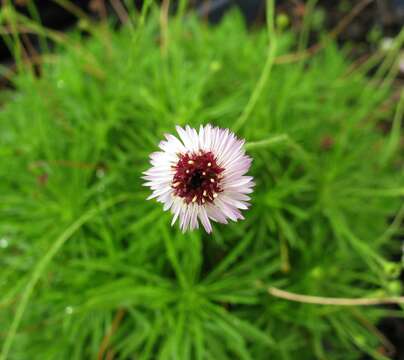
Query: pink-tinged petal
x: 159, y: 192
x: 216, y: 214
x: 233, y: 202
x: 176, y: 210
x: 230, y: 212
x: 242, y: 181
x: 194, y: 217
x: 203, y: 216
x: 169, y: 203
x: 186, y: 218
x: 237, y: 195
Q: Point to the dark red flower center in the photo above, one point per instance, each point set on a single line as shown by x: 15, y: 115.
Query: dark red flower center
x: 197, y: 178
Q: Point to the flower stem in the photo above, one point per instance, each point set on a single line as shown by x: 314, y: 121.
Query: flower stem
x: 265, y: 71
x: 320, y: 300
x: 276, y: 139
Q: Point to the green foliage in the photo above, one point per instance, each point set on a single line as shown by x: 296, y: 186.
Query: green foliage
x: 90, y: 268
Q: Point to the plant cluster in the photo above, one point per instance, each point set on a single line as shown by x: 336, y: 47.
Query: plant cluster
x: 89, y: 268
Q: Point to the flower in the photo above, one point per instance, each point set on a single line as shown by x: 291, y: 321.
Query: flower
x: 200, y: 176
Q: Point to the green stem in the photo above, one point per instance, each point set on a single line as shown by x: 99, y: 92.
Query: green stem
x: 41, y: 266
x: 393, y: 142
x: 276, y: 139
x: 173, y: 257
x: 259, y: 87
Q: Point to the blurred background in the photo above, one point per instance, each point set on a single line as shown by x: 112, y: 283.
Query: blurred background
x: 367, y: 23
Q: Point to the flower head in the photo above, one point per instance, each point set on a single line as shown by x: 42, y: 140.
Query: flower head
x: 200, y: 176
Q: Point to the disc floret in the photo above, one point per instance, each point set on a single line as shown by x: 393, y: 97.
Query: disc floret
x: 197, y: 177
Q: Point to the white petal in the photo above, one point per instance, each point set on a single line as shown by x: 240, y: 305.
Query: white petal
x: 231, y: 212
x: 242, y: 180
x: 160, y: 192
x: 203, y: 216
x: 193, y: 136
x: 169, y: 203
x: 184, y: 137
x: 176, y: 145
x: 233, y: 202
x: 194, y: 216
x: 216, y: 214
x: 176, y: 210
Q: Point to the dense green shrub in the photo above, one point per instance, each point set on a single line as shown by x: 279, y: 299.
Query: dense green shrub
x: 90, y: 268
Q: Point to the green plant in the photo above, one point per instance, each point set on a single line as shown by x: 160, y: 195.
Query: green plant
x: 90, y: 268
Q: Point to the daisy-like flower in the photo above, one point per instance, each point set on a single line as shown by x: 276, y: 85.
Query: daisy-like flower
x: 200, y: 176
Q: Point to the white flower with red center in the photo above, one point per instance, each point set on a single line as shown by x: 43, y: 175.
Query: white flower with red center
x: 200, y: 176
